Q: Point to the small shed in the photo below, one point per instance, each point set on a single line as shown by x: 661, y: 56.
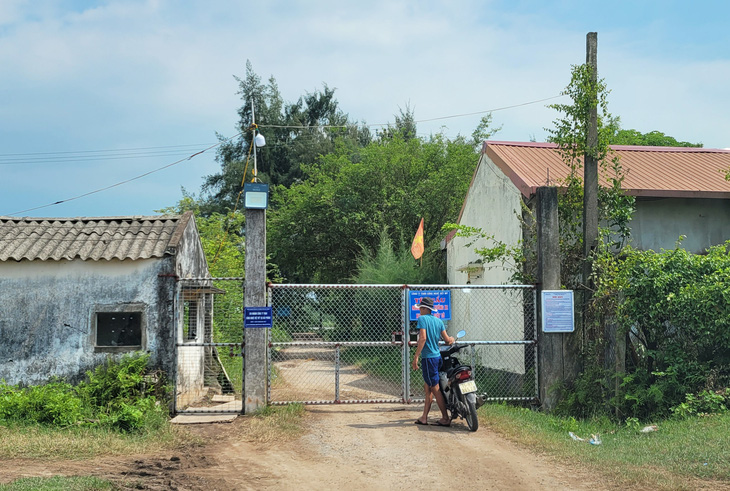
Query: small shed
x: 76, y: 291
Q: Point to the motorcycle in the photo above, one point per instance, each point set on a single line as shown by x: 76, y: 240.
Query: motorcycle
x: 458, y: 386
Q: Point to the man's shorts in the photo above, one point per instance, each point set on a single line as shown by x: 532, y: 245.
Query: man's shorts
x: 430, y: 370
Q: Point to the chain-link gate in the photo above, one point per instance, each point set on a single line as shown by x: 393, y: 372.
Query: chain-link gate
x: 209, y: 320
x: 345, y: 343
x: 336, y: 343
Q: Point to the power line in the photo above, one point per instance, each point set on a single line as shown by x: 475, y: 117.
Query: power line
x: 125, y: 181
x: 95, y: 155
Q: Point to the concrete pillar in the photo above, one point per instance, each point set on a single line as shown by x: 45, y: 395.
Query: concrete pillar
x: 256, y: 350
x: 549, y: 346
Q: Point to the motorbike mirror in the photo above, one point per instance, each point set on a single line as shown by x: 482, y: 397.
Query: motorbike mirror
x: 460, y: 334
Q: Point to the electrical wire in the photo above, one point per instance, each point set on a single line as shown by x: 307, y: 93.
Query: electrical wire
x: 214, y: 146
x: 126, y: 180
x: 95, y: 155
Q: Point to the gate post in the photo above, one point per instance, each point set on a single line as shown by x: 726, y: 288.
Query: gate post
x: 256, y: 341
x: 549, y: 346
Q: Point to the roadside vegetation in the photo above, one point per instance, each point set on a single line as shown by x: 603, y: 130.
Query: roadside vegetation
x: 674, y: 453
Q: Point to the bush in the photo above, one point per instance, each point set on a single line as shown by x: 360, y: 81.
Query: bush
x: 119, y: 395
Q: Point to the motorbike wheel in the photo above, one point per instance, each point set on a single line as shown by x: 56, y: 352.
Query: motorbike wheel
x: 472, y: 421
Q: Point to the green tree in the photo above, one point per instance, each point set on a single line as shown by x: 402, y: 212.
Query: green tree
x: 220, y: 234
x: 294, y: 136
x: 652, y: 139
x: 319, y: 227
x: 393, y: 264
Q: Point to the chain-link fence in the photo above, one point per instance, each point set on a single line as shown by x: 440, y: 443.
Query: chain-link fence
x: 499, y: 323
x: 344, y: 343
x: 209, y: 318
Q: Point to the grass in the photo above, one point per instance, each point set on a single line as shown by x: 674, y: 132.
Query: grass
x: 40, y: 442
x: 384, y: 362
x: 676, y: 456
x: 274, y: 423
x: 57, y: 483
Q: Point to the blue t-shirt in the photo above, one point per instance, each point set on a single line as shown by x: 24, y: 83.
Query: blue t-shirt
x: 433, y: 327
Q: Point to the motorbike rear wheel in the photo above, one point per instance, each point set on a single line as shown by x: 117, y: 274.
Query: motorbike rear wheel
x: 472, y: 420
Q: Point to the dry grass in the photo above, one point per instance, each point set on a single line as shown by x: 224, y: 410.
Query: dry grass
x: 274, y: 423
x: 35, y: 442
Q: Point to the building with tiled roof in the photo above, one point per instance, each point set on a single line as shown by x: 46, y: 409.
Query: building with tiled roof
x: 74, y: 291
x: 679, y: 192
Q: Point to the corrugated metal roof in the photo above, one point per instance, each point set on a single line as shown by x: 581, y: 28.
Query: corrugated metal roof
x: 90, y: 238
x: 649, y: 171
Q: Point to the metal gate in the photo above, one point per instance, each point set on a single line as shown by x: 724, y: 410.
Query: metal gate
x: 208, y: 315
x: 346, y: 343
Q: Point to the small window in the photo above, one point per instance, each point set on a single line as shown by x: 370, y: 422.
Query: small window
x: 119, y: 328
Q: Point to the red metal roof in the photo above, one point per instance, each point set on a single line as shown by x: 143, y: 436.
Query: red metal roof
x: 679, y: 172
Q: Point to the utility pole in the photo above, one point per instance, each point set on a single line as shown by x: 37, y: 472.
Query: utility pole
x: 590, y: 173
x: 256, y: 339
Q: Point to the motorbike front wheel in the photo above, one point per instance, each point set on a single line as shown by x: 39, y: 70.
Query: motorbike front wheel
x: 472, y: 421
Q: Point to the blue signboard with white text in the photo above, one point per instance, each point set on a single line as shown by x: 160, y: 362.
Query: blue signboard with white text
x: 441, y: 302
x: 258, y: 317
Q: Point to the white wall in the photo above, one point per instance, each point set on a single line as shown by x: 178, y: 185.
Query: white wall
x: 492, y: 204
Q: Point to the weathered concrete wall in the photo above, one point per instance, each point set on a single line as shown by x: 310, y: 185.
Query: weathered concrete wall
x: 46, y: 311
x: 190, y: 257
x: 492, y: 205
x: 658, y: 223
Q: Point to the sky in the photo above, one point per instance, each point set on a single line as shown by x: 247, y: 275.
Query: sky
x: 102, y: 102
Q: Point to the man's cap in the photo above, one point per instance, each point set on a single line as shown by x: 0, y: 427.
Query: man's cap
x: 426, y: 302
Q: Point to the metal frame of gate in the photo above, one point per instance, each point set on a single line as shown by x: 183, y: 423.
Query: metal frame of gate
x: 506, y: 378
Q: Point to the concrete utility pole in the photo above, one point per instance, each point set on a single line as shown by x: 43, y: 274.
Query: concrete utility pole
x: 550, y: 346
x: 590, y: 171
x: 256, y: 349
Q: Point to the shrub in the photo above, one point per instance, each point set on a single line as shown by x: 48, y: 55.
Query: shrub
x: 119, y: 395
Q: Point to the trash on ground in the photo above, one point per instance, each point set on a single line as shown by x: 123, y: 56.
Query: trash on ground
x: 593, y: 440
x: 649, y: 429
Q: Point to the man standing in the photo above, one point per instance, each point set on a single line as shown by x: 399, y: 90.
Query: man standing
x: 430, y: 329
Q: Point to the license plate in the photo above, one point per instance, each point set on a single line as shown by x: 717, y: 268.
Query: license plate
x: 467, y: 387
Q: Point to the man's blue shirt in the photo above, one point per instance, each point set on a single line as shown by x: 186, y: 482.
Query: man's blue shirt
x: 433, y: 327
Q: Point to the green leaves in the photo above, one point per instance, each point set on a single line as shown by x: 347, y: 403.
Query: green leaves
x: 319, y: 226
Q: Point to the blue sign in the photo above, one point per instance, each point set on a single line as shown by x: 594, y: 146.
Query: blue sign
x: 441, y: 302
x: 258, y: 317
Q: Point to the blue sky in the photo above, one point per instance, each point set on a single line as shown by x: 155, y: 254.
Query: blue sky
x: 95, y: 93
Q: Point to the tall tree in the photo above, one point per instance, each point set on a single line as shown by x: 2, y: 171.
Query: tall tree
x: 296, y: 133
x: 320, y: 226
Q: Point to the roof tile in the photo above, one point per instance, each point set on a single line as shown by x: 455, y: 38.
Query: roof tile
x: 88, y: 238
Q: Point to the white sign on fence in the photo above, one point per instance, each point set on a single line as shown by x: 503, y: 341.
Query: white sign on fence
x: 557, y: 311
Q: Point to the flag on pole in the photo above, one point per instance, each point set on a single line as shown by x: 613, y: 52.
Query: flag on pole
x: 417, y: 245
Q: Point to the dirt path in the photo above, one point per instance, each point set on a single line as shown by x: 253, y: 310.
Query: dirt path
x: 364, y: 447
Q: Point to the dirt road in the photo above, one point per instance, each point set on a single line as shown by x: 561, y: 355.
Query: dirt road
x: 364, y: 447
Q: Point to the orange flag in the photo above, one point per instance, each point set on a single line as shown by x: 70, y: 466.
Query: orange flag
x: 417, y: 245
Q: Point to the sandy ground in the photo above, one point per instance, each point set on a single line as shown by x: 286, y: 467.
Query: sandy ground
x: 345, y: 446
